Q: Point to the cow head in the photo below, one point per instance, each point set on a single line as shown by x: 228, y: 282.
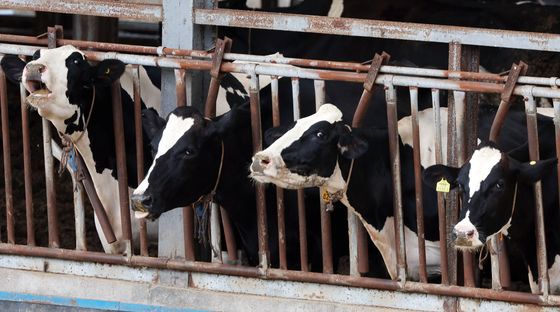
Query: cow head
x: 188, y: 151
x: 488, y: 184
x: 60, y: 82
x: 306, y: 153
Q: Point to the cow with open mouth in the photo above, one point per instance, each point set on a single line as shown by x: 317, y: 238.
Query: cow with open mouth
x: 75, y: 97
x: 498, y: 199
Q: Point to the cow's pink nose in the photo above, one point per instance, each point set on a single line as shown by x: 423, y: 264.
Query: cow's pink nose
x: 265, y: 161
x: 470, y: 234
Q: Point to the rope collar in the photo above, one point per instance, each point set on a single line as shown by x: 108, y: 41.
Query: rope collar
x: 329, y: 197
x: 69, y: 149
x: 205, y: 199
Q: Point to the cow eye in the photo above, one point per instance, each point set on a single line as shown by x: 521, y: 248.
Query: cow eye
x: 189, y: 152
x: 320, y: 134
x: 76, y: 61
x: 499, y: 185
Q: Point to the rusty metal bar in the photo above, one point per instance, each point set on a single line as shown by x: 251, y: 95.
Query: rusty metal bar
x: 275, y: 274
x: 378, y: 29
x: 556, y: 103
x: 121, y: 9
x: 513, y: 76
x: 264, y: 253
x: 418, y: 186
x: 52, y: 217
x: 440, y: 197
x: 453, y: 151
x: 533, y: 136
x: 6, y: 150
x: 300, y: 192
x: 139, y: 151
x: 326, y: 224
x: 391, y: 97
x: 280, y: 208
x: 188, y: 212
x: 121, y: 166
x: 30, y: 226
x: 215, y: 234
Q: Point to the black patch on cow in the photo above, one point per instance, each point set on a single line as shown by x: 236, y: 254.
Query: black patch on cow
x: 239, y: 94
x: 12, y: 66
x: 71, y: 125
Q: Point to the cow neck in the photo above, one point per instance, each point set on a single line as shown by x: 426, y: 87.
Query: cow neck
x: 69, y: 143
x: 207, y: 199
x: 336, y: 186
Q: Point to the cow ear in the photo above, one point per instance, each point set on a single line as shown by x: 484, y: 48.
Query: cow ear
x: 107, y: 72
x: 272, y: 134
x: 531, y: 172
x: 520, y: 153
x: 226, y: 122
x: 152, y: 123
x: 12, y: 67
x: 351, y: 143
x: 434, y: 174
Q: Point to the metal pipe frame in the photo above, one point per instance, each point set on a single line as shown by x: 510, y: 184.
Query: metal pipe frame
x: 276, y: 274
x: 6, y: 150
x: 30, y: 226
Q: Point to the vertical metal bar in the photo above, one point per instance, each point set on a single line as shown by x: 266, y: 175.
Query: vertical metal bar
x: 231, y: 245
x: 532, y: 132
x: 418, y: 185
x: 27, y: 167
x: 52, y: 217
x: 453, y: 151
x: 391, y: 96
x: 79, y: 214
x: 260, y: 191
x: 188, y: 212
x: 353, y: 224
x: 122, y: 176
x: 300, y: 193
x: 280, y: 208
x: 440, y: 198
x: 139, y: 151
x: 7, y: 160
x: 326, y: 234
x: 556, y: 103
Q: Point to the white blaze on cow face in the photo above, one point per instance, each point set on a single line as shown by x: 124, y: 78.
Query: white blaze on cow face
x: 55, y: 105
x: 175, y: 128
x: 274, y: 169
x: 482, y: 162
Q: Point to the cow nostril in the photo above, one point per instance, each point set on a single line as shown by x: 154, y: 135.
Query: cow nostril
x: 42, y: 68
x: 265, y: 161
x: 470, y: 233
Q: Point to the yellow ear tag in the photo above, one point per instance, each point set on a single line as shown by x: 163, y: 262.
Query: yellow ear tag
x: 443, y: 186
x: 532, y: 163
x: 326, y: 197
x: 107, y: 71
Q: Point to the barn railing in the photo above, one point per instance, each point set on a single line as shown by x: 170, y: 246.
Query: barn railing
x: 186, y: 61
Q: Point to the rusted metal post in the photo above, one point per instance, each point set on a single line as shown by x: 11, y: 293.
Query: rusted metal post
x: 27, y: 167
x: 264, y: 254
x: 533, y: 136
x: 7, y: 160
x: 280, y: 208
x: 391, y: 96
x: 418, y: 185
x: 556, y: 103
x: 440, y: 196
x: 122, y: 176
x: 326, y: 234
x: 139, y: 151
x: 54, y: 240
x: 187, y: 212
x: 300, y: 192
x: 359, y: 114
x: 222, y: 47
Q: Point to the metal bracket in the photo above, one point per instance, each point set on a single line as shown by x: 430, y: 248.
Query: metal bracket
x: 378, y: 61
x: 222, y: 47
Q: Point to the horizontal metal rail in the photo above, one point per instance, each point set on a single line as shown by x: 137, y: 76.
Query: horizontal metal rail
x: 277, y: 274
x: 268, y: 59
x: 379, y: 29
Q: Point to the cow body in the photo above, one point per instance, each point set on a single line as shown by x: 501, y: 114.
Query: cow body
x: 76, y: 98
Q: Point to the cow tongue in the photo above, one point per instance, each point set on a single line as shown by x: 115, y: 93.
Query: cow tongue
x: 141, y: 214
x: 38, y: 97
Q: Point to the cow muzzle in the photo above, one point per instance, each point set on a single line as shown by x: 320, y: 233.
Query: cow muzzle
x: 264, y: 165
x: 466, y: 236
x: 33, y: 83
x: 141, y: 204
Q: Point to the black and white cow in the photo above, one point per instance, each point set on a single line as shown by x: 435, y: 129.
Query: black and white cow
x: 318, y: 150
x: 67, y: 90
x: 188, y: 152
x: 498, y: 198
